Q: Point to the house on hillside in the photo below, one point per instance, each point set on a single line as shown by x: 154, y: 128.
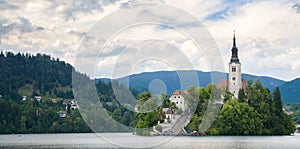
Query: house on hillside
x: 164, y: 110
x: 297, y: 128
x: 37, y: 98
x: 24, y: 98
x: 54, y: 100
x: 62, y: 114
x: 109, y: 103
x: 0, y: 97
x: 73, y: 105
x: 37, y: 111
x: 177, y: 97
x: 170, y: 114
x: 288, y: 112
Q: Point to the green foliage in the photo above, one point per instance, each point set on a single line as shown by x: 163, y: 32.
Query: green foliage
x: 213, y: 132
x: 31, y: 117
x: 159, y: 128
x: 238, y: 118
x: 25, y: 74
x: 296, y: 111
x: 197, y: 101
x: 277, y: 101
x: 40, y: 72
x: 151, y: 114
x: 227, y: 96
x: 194, y: 123
x: 142, y: 131
x: 242, y: 96
x: 166, y: 102
x: 262, y: 115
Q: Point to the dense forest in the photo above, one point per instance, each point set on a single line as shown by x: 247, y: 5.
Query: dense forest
x: 40, y: 75
x: 258, y: 113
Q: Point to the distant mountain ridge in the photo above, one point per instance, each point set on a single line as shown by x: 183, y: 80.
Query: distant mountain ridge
x: 290, y: 91
x: 140, y: 82
x: 172, y: 81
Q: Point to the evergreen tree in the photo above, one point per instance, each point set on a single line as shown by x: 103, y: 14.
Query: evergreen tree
x: 277, y: 100
x: 241, y: 96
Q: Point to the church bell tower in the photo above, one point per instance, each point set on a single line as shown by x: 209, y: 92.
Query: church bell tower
x: 235, y: 75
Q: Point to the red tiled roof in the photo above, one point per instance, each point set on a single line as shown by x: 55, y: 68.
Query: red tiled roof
x: 223, y: 83
x: 177, y: 92
x: 244, y: 84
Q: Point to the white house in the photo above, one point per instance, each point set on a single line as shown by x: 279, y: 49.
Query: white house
x: 178, y: 98
x: 62, y: 114
x: 37, y: 98
x: 73, y: 105
x: 74, y: 101
x: 24, y: 98
x: 170, y: 114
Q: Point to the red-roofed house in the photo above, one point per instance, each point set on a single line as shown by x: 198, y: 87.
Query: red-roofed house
x: 170, y: 114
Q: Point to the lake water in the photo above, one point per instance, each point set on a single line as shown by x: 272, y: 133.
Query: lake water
x: 122, y: 140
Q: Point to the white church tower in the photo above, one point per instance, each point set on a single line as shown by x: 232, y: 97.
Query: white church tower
x: 235, y: 74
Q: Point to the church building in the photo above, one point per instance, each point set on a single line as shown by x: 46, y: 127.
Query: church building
x: 235, y: 81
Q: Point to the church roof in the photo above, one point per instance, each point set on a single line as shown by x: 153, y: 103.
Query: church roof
x: 234, y: 52
x: 225, y: 83
x: 244, y: 84
x: 170, y: 111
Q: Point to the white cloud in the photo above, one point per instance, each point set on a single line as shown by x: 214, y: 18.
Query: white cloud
x: 198, y: 8
x: 267, y: 32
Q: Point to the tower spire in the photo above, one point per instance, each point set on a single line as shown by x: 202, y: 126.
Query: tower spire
x: 234, y: 45
x: 234, y: 51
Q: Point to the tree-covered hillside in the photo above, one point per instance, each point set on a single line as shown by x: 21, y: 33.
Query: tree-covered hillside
x: 25, y: 78
x: 25, y: 74
x: 257, y: 113
x: 291, y: 92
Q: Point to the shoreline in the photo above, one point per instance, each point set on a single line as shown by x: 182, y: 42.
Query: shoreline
x: 127, y: 140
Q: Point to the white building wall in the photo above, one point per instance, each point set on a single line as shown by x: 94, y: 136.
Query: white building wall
x: 235, y: 79
x: 179, y: 101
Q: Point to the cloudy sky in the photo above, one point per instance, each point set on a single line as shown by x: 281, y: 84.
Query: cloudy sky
x: 267, y: 32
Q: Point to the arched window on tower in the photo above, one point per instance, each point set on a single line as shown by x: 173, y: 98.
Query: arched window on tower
x: 233, y: 69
